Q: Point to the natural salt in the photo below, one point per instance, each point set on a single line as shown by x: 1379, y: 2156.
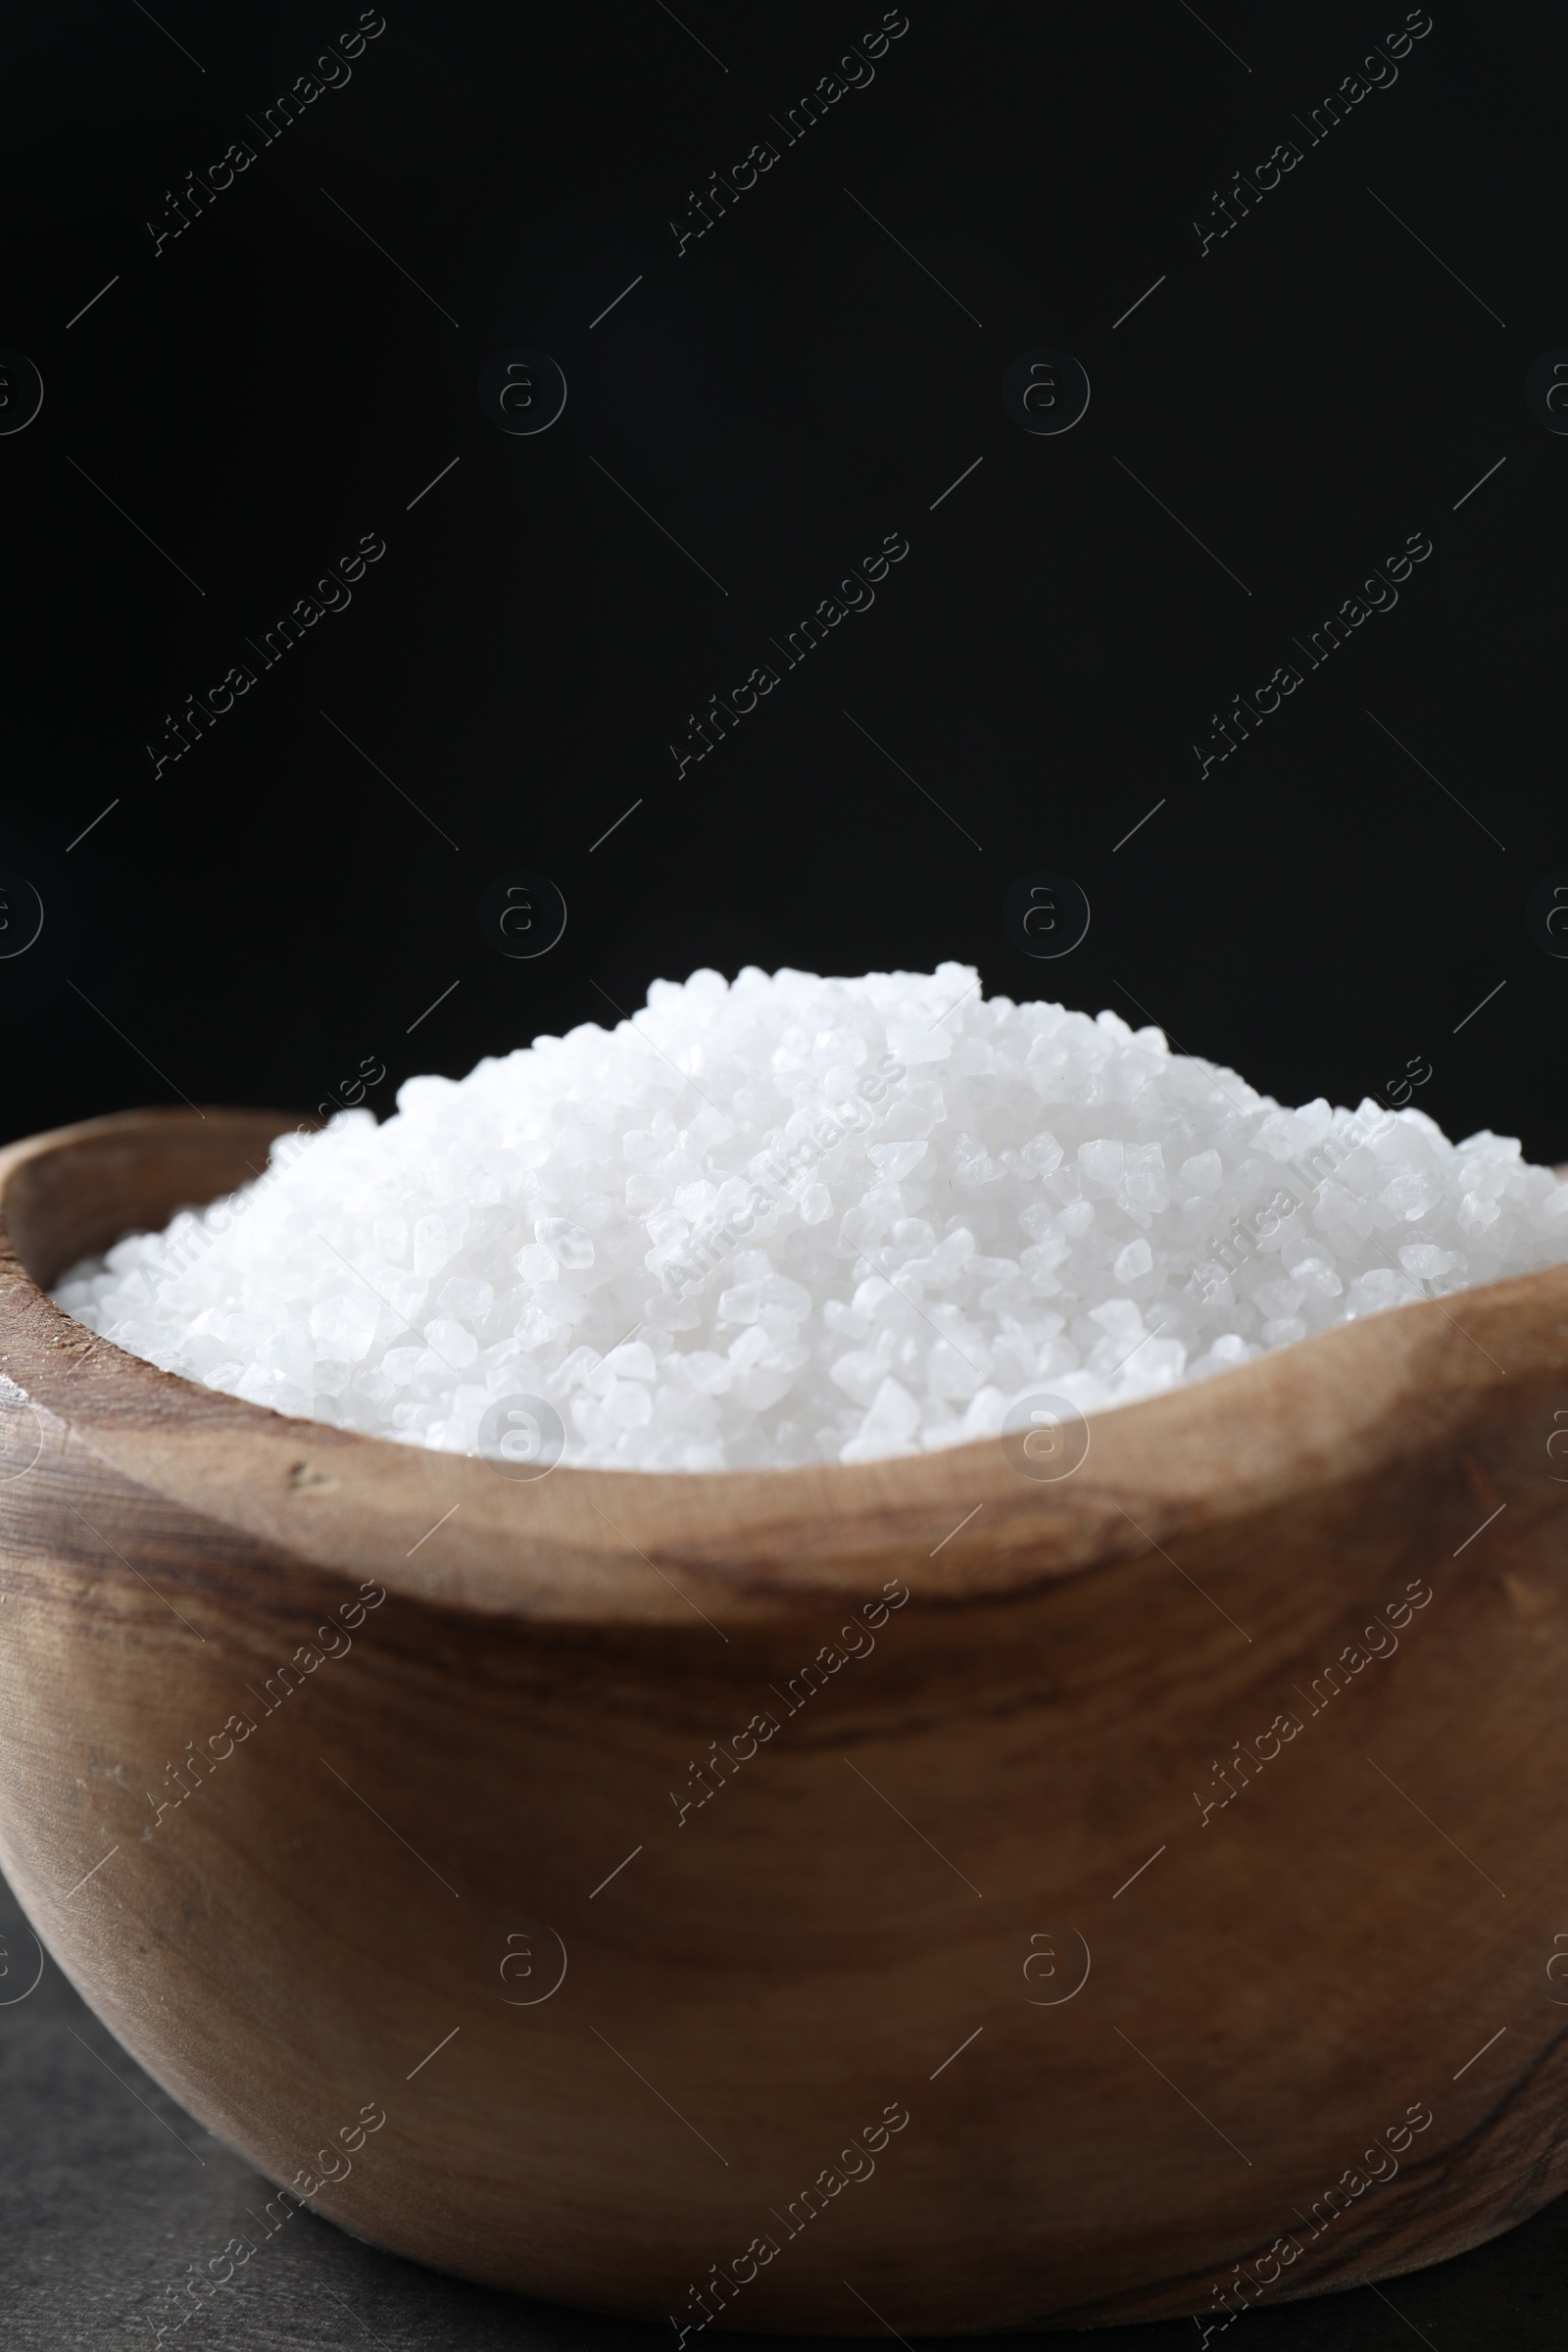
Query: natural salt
x: 794, y: 1219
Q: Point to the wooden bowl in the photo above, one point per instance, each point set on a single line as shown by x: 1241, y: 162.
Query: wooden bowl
x: 966, y: 1997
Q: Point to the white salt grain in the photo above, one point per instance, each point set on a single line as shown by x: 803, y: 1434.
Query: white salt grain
x: 795, y: 1219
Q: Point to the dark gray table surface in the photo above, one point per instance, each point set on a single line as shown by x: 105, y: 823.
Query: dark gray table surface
x: 109, y: 2193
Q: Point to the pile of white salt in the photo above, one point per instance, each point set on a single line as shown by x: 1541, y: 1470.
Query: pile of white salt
x: 794, y: 1219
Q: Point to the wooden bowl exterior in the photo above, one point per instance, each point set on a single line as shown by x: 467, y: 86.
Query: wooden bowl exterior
x: 999, y: 1782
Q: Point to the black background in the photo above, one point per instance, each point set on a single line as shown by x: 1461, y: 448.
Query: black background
x: 269, y: 911
x: 259, y: 918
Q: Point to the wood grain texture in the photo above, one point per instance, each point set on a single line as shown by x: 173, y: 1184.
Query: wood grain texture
x: 912, y: 1864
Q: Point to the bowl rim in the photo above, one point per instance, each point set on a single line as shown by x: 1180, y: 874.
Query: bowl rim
x: 754, y: 1540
